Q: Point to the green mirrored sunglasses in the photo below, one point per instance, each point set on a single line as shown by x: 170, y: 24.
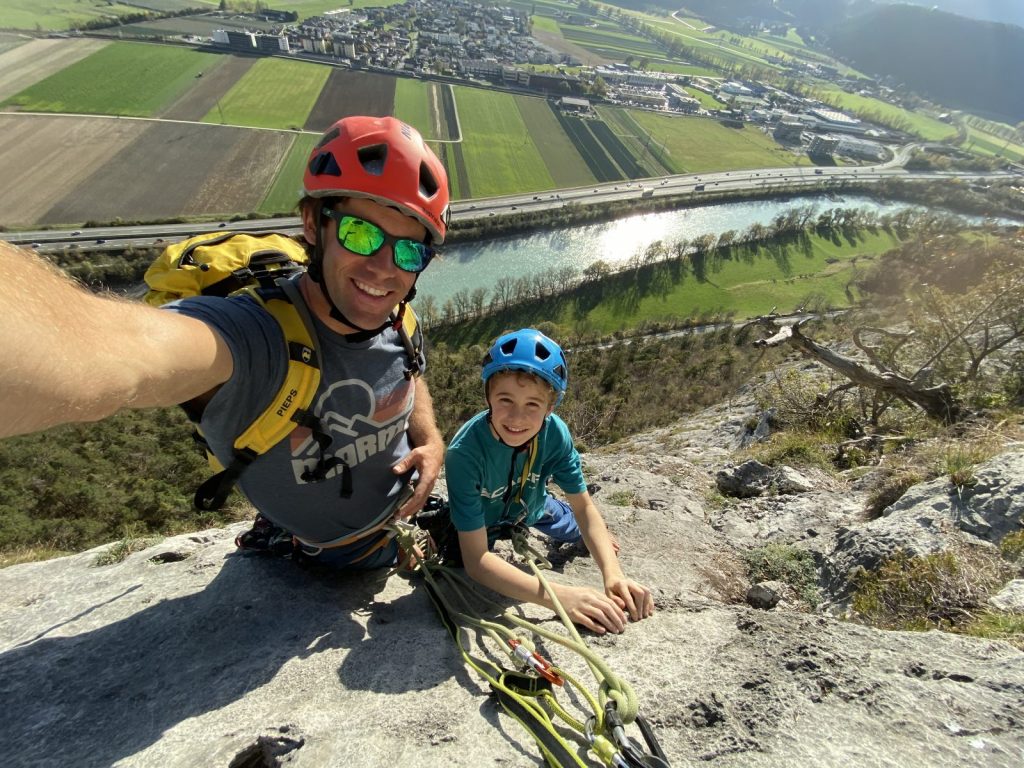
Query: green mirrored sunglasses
x: 366, y: 238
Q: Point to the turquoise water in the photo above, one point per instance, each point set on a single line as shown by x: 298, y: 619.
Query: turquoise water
x: 480, y: 264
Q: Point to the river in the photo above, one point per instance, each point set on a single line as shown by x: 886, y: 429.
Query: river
x: 480, y: 263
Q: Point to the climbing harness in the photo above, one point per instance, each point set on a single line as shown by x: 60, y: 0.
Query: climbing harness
x: 527, y: 692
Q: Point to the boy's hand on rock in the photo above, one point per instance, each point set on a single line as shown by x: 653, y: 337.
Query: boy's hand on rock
x: 633, y: 598
x: 593, y: 610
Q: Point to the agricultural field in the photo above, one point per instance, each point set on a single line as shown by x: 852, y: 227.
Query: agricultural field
x: 274, y: 93
x: 349, y: 92
x: 696, y: 145
x: 610, y: 42
x: 207, y: 90
x: 175, y: 169
x: 557, y: 150
x: 983, y: 143
x: 197, y: 26
x: 119, y: 79
x: 422, y: 105
x: 286, y: 188
x: 36, y: 60
x: 36, y: 146
x: 500, y: 155
x: 62, y: 14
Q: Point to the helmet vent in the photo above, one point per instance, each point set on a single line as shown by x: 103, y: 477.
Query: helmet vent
x: 373, y: 158
x: 542, y: 352
x: 324, y: 163
x: 428, y: 184
x: 328, y: 137
x: 508, y: 347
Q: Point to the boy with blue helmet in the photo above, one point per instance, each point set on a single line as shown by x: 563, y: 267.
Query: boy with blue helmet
x: 497, y: 468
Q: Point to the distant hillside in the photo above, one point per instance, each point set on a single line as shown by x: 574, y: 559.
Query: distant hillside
x: 972, y: 65
x: 1002, y: 11
x: 819, y: 13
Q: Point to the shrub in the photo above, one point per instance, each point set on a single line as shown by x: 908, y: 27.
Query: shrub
x: 784, y: 562
x: 943, y: 590
x: 890, y: 490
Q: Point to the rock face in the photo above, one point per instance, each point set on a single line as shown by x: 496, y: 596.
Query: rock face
x: 189, y: 654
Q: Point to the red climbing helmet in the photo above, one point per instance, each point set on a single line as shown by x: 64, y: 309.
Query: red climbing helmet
x: 384, y: 160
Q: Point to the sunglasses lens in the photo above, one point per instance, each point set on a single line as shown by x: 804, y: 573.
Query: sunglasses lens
x: 360, y: 236
x: 411, y: 256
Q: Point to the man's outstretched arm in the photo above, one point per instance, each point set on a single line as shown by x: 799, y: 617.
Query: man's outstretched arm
x: 427, y: 454
x: 70, y: 355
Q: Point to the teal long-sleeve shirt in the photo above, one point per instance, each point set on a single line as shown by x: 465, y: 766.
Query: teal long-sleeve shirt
x: 484, y: 475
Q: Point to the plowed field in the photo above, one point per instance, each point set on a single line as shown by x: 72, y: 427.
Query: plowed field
x: 66, y: 170
x: 45, y: 156
x: 352, y: 93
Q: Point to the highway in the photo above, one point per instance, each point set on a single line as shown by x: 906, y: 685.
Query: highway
x: 695, y: 186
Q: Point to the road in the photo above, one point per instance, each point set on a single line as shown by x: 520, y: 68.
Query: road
x: 695, y: 186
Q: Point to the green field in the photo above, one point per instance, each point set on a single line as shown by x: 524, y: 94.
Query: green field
x: 986, y: 144
x: 545, y: 24
x: 287, y: 187
x: 133, y: 79
x: 610, y: 42
x: 274, y: 93
x: 695, y: 145
x: 748, y: 284
x: 926, y: 127
x: 707, y: 101
x: 560, y: 156
x: 63, y: 14
x: 500, y: 154
x: 412, y: 105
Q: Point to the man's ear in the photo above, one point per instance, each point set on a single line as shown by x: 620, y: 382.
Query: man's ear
x: 310, y: 221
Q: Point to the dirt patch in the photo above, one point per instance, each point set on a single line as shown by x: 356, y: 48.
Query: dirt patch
x: 173, y: 168
x: 352, y: 93
x: 29, y: 63
x: 45, y: 157
x: 195, y: 103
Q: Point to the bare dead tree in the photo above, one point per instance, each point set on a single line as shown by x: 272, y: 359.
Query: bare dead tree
x: 938, y: 402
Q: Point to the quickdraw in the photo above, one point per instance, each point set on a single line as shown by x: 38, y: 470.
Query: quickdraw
x: 527, y: 693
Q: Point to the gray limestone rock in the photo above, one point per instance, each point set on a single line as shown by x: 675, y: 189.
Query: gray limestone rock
x: 190, y: 654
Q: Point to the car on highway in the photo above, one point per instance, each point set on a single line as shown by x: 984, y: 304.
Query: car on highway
x: 76, y: 232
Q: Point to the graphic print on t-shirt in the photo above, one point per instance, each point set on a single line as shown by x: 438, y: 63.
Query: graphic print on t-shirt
x: 367, y: 427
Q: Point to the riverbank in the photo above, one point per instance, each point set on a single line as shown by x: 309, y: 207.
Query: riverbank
x: 1000, y: 199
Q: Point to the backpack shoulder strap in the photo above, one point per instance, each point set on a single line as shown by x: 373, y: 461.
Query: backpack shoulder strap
x: 288, y: 406
x: 411, y: 335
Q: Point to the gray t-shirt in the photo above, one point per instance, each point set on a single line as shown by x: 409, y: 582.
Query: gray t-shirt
x: 363, y: 402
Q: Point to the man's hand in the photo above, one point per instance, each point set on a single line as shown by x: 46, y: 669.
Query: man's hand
x: 427, y: 461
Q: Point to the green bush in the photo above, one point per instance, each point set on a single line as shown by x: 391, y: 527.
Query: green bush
x: 784, y: 562
x: 943, y: 590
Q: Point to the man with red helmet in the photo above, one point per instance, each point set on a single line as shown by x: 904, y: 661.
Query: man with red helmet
x: 375, y: 204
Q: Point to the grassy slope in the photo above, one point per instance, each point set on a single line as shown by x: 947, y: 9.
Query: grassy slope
x: 134, y: 79
x: 748, y: 284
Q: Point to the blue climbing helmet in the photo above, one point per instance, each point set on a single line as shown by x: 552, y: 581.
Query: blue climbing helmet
x: 530, y: 351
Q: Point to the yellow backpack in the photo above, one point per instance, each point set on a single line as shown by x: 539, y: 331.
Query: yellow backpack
x: 227, y: 263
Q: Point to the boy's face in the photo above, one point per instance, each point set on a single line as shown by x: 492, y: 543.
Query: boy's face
x: 519, y: 404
